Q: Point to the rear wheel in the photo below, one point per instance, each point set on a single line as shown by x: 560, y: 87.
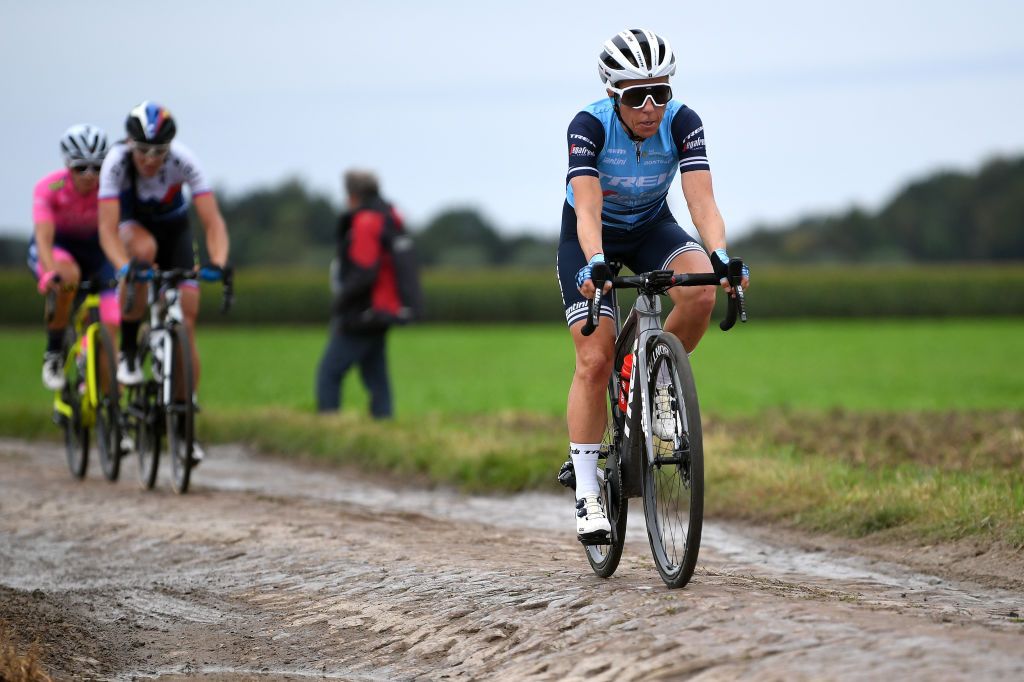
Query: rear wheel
x: 673, y: 485
x: 181, y: 413
x: 604, y: 559
x: 76, y: 434
x: 108, y: 412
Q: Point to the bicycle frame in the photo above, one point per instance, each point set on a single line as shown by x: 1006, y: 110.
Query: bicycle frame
x: 165, y: 314
x: 86, y: 326
x: 647, y: 313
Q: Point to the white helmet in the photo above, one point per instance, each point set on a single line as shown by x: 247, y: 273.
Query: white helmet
x: 635, y: 54
x: 83, y: 142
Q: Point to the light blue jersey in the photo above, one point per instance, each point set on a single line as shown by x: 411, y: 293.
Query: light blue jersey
x: 635, y: 176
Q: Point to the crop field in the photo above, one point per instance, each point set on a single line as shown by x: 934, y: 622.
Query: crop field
x: 465, y: 370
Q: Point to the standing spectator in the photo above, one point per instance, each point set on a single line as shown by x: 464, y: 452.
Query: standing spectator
x: 369, y: 301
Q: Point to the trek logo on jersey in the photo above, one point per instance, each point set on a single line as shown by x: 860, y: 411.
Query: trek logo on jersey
x: 689, y: 143
x: 581, y: 138
x: 576, y: 150
x: 634, y: 181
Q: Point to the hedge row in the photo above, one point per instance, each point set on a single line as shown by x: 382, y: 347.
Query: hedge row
x: 268, y: 296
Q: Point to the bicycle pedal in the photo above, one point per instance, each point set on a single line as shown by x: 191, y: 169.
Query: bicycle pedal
x: 593, y: 539
x: 567, y: 475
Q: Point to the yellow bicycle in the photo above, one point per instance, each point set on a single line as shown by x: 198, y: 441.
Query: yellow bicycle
x: 89, y: 398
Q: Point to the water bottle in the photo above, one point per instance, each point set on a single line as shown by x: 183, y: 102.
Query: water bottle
x: 625, y: 375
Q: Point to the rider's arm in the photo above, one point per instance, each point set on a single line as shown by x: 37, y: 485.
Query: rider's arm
x: 217, y: 242
x: 589, y: 200
x: 44, y: 232
x: 112, y: 182
x: 110, y: 241
x: 700, y: 200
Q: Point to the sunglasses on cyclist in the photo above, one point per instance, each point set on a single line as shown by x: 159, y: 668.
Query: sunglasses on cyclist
x: 151, y: 150
x: 635, y: 96
x: 85, y: 167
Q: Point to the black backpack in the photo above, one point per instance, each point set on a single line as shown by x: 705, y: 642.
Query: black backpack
x: 407, y: 270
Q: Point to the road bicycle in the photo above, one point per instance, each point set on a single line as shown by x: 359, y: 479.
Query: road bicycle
x: 89, y: 399
x: 162, y: 407
x: 653, y: 446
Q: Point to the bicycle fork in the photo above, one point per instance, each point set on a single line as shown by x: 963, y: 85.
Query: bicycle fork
x: 634, y: 458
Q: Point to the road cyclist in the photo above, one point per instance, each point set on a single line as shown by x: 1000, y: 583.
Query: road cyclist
x: 143, y: 221
x: 624, y: 151
x: 65, y: 244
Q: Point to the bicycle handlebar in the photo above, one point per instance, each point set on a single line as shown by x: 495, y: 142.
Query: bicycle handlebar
x: 93, y: 285
x: 659, y: 281
x: 174, y: 277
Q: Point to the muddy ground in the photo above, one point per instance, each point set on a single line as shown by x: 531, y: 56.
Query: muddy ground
x: 274, y: 570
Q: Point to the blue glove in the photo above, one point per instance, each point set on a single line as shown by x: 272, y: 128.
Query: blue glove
x: 211, y: 273
x: 596, y: 270
x: 720, y: 264
x: 141, y: 270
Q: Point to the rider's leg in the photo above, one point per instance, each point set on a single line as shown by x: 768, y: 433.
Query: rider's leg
x: 586, y: 411
x: 141, y: 246
x: 691, y: 313
x: 53, y: 362
x: 70, y: 275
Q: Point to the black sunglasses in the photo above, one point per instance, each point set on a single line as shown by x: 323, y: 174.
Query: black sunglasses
x: 86, y: 167
x: 635, y: 96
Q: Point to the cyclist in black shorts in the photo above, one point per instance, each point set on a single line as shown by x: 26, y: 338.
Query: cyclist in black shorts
x: 624, y: 151
x: 143, y: 218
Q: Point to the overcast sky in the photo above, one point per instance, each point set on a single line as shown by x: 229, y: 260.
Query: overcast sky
x: 808, y: 106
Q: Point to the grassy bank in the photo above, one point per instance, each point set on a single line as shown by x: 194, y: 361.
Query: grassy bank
x: 910, y: 430
x: 19, y: 664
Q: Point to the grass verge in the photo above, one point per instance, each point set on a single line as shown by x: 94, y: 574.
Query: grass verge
x: 894, y: 476
x: 16, y: 666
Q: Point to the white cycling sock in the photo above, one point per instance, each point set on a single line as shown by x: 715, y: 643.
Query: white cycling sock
x: 584, y: 463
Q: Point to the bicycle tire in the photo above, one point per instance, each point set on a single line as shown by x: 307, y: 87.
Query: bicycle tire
x: 145, y: 413
x: 604, y: 559
x: 108, y: 412
x: 76, y: 434
x: 673, y: 484
x: 180, y: 413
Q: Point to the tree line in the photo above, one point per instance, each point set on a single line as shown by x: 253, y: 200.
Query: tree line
x: 945, y: 217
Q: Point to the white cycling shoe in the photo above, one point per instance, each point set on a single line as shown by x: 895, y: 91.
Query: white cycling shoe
x: 128, y: 371
x: 664, y: 416
x: 53, y: 371
x: 591, y: 521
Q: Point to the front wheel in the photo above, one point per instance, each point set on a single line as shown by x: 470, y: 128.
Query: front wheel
x: 108, y: 412
x: 673, y: 482
x: 181, y: 413
x: 604, y: 559
x: 144, y: 417
x: 76, y: 434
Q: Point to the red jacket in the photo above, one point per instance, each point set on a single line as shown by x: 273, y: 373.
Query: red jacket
x: 369, y: 299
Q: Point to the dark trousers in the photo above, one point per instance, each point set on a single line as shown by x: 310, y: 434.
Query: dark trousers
x: 343, y: 351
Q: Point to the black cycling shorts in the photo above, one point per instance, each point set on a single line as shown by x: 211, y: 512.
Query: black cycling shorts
x: 650, y: 246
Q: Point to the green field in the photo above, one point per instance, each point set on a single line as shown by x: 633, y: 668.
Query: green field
x: 916, y: 365
x: 903, y: 429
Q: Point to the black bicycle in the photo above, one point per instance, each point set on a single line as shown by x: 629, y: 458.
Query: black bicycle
x: 163, y: 405
x: 653, y: 446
